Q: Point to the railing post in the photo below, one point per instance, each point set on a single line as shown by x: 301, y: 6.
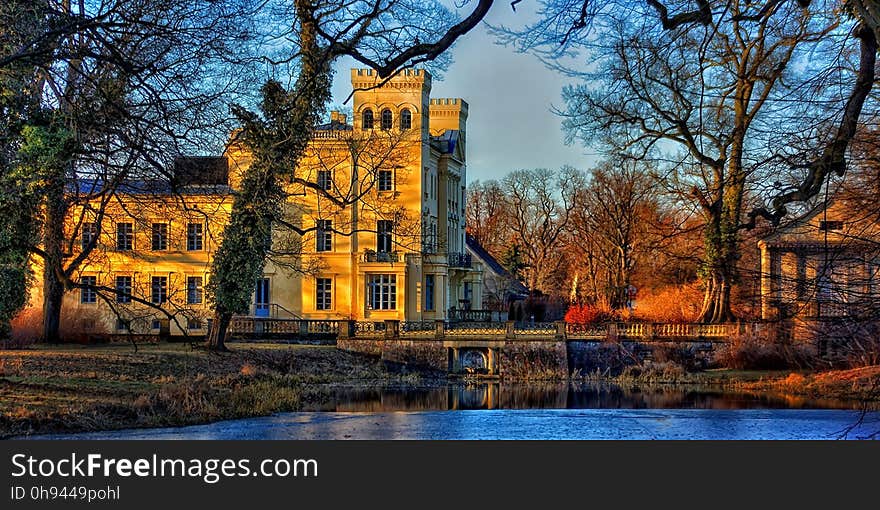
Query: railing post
x: 303, y: 328
x: 439, y: 329
x: 392, y: 329
x: 510, y: 332
x: 648, y: 332
x: 346, y: 329
x: 612, y: 332
x: 560, y: 331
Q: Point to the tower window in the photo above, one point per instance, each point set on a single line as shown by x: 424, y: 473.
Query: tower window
x: 89, y: 234
x: 383, y: 236
x: 160, y: 236
x: 405, y: 120
x: 123, y: 289
x: 193, y: 290
x: 367, y: 117
x: 194, y: 236
x: 325, y: 179
x: 159, y: 290
x: 323, y: 294
x: 324, y: 235
x: 382, y: 291
x: 87, y: 293
x: 386, y: 180
x: 387, y: 120
x: 124, y: 236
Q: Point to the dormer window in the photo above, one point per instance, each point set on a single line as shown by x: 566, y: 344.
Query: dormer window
x: 405, y: 120
x: 830, y: 225
x: 387, y: 120
x: 367, y: 118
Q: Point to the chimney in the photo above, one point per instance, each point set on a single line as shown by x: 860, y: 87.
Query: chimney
x: 337, y: 117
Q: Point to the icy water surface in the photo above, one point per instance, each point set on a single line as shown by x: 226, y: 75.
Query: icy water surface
x: 490, y: 411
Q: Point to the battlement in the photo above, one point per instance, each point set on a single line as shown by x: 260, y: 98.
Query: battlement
x: 448, y: 113
x: 449, y: 104
x: 364, y: 78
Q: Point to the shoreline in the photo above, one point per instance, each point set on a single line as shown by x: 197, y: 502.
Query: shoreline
x: 74, y: 388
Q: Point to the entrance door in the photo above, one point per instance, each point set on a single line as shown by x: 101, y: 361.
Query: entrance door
x: 261, y: 298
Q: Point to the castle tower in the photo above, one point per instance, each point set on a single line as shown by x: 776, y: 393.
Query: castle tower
x: 406, y: 94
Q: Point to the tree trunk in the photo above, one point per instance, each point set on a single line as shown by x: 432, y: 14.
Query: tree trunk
x: 217, y: 334
x: 716, y: 301
x: 53, y: 282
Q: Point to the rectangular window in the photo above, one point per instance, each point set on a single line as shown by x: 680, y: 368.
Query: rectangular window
x: 123, y: 325
x: 429, y: 292
x: 195, y: 237
x: 123, y: 289
x: 88, y: 294
x: 323, y: 294
x: 89, y: 234
x: 325, y: 179
x: 193, y: 323
x: 383, y: 236
x: 124, y: 236
x: 324, y: 236
x: 159, y: 290
x: 193, y: 290
x: 383, y: 291
x: 156, y: 324
x: 160, y: 236
x: 386, y: 180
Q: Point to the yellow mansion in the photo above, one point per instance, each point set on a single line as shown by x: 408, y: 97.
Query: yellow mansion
x: 373, y: 228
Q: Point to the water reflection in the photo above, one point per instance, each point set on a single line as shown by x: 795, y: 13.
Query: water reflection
x: 557, y: 396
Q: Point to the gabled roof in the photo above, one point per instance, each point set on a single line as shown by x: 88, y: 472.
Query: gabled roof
x: 477, y: 250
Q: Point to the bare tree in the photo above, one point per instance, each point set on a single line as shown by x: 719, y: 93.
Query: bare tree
x: 487, y: 215
x: 539, y: 205
x: 122, y: 88
x: 611, y: 223
x: 704, y: 91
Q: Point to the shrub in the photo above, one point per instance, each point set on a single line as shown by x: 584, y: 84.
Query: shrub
x: 589, y: 314
x: 27, y: 327
x: 751, y: 351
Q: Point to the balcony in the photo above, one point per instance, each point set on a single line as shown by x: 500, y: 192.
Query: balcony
x: 381, y: 256
x: 459, y: 260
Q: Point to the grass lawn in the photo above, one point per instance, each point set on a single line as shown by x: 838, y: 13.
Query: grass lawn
x: 74, y: 387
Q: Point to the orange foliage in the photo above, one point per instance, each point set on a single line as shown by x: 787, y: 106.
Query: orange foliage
x: 677, y: 304
x: 589, y: 314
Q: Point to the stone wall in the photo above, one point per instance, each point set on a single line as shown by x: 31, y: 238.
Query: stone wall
x: 422, y: 353
x: 371, y: 346
x: 533, y: 360
x: 418, y: 353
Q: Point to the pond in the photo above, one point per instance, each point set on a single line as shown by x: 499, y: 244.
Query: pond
x: 537, y: 411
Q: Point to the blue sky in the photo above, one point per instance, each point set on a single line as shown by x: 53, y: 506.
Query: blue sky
x: 510, y: 123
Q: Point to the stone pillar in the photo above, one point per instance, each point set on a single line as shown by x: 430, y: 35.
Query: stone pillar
x: 490, y: 361
x: 612, y: 332
x: 439, y: 329
x: 766, y: 281
x: 560, y: 331
x: 392, y: 329
x: 510, y: 333
x: 346, y: 329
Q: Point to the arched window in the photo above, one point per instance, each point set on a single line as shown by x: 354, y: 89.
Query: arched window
x: 368, y: 119
x: 405, y: 120
x: 386, y: 119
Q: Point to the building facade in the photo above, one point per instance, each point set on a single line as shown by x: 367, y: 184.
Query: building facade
x: 376, y: 207
x: 821, y: 270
